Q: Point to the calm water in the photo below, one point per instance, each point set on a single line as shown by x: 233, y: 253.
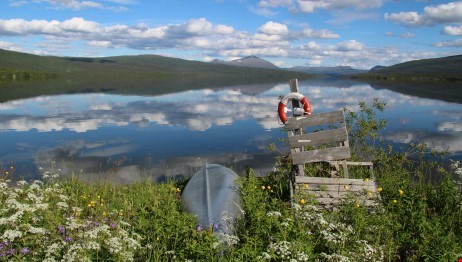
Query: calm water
x: 123, y: 137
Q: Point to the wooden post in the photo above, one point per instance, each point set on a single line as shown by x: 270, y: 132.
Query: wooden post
x: 293, y: 83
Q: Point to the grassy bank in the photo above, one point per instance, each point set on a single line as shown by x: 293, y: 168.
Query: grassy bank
x: 67, y: 219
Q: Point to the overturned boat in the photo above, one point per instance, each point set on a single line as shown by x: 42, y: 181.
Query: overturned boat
x: 213, y: 196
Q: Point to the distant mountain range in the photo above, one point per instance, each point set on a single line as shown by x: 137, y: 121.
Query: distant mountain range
x: 250, y: 67
x: 248, y: 61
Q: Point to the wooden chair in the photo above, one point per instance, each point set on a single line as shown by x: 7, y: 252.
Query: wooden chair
x: 323, y: 138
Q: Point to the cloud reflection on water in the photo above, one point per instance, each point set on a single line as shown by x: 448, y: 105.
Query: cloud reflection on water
x: 410, y: 119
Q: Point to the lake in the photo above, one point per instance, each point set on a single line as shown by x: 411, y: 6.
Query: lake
x: 125, y: 137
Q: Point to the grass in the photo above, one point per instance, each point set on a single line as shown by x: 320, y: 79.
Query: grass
x: 57, y: 219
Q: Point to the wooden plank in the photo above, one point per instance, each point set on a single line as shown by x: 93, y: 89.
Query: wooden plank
x: 320, y: 155
x: 353, y: 163
x: 350, y: 194
x: 315, y: 120
x: 338, y: 187
x: 336, y: 201
x: 333, y: 181
x: 318, y: 138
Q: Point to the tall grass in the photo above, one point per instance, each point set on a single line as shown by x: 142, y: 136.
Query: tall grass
x: 57, y: 219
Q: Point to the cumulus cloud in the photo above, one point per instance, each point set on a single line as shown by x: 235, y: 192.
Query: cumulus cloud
x: 444, y: 13
x: 450, y: 12
x: 407, y: 18
x: 350, y: 45
x: 453, y: 30
x: 273, y: 28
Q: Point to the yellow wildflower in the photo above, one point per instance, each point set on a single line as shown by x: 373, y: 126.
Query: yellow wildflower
x: 395, y: 201
x: 178, y: 190
x: 401, y: 192
x: 366, y: 180
x: 346, y: 187
x: 357, y: 204
x: 263, y: 187
x: 302, y: 201
x: 379, y: 189
x: 305, y: 185
x: 268, y: 187
x: 104, y: 214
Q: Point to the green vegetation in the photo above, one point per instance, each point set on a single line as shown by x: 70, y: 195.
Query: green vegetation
x: 435, y: 69
x: 74, y: 221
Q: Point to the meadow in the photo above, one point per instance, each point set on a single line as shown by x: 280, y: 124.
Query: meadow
x: 63, y: 218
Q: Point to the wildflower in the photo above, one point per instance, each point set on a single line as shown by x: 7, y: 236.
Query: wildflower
x: 263, y: 187
x: 61, y: 229
x: 178, y: 190
x: 216, y: 226
x: 199, y: 228
x: 379, y: 189
x: 357, y: 204
x: 68, y: 239
x: 401, y: 192
x: 25, y: 251
x: 302, y: 201
x: 395, y: 201
x: 346, y: 187
x: 113, y: 225
x: 268, y: 187
x: 305, y: 185
x: 104, y: 214
x: 366, y: 180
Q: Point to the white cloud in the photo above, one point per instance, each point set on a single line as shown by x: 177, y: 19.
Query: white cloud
x: 224, y: 29
x: 407, y: 35
x: 450, y: 12
x: 76, y: 4
x: 453, y: 30
x: 321, y: 34
x: 102, y: 44
x: 454, y: 43
x: 274, y: 3
x: 273, y: 28
x: 350, y: 45
x: 9, y: 46
x: 310, y: 6
x: 444, y: 13
x: 407, y: 18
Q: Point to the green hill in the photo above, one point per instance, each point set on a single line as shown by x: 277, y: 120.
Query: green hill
x: 15, y: 65
x: 444, y: 68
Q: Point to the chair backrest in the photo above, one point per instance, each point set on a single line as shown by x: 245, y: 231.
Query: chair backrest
x: 324, y: 138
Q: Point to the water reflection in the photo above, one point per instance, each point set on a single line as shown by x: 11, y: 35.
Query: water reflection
x: 174, y: 134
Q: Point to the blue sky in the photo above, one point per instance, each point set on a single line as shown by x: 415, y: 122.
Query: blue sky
x: 357, y: 33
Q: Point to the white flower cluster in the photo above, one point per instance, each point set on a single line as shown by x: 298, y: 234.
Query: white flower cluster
x: 24, y: 223
x: 283, y: 251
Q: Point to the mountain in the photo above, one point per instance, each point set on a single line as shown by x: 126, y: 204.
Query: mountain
x: 376, y: 68
x: 14, y: 64
x: 248, y: 61
x: 330, y: 71
x: 443, y: 68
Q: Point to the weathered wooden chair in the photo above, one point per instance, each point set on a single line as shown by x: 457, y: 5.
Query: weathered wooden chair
x: 323, y: 138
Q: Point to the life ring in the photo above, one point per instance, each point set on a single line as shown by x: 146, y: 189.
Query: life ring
x: 282, y: 110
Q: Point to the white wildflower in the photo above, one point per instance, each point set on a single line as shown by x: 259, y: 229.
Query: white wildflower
x: 62, y: 205
x: 92, y: 245
x: 37, y: 230
x: 21, y: 183
x: 11, y: 235
x: 114, y: 245
x: 274, y: 214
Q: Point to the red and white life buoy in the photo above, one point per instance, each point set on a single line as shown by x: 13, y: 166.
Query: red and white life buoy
x: 282, y: 110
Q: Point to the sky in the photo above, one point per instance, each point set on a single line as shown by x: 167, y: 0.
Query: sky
x: 356, y: 33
